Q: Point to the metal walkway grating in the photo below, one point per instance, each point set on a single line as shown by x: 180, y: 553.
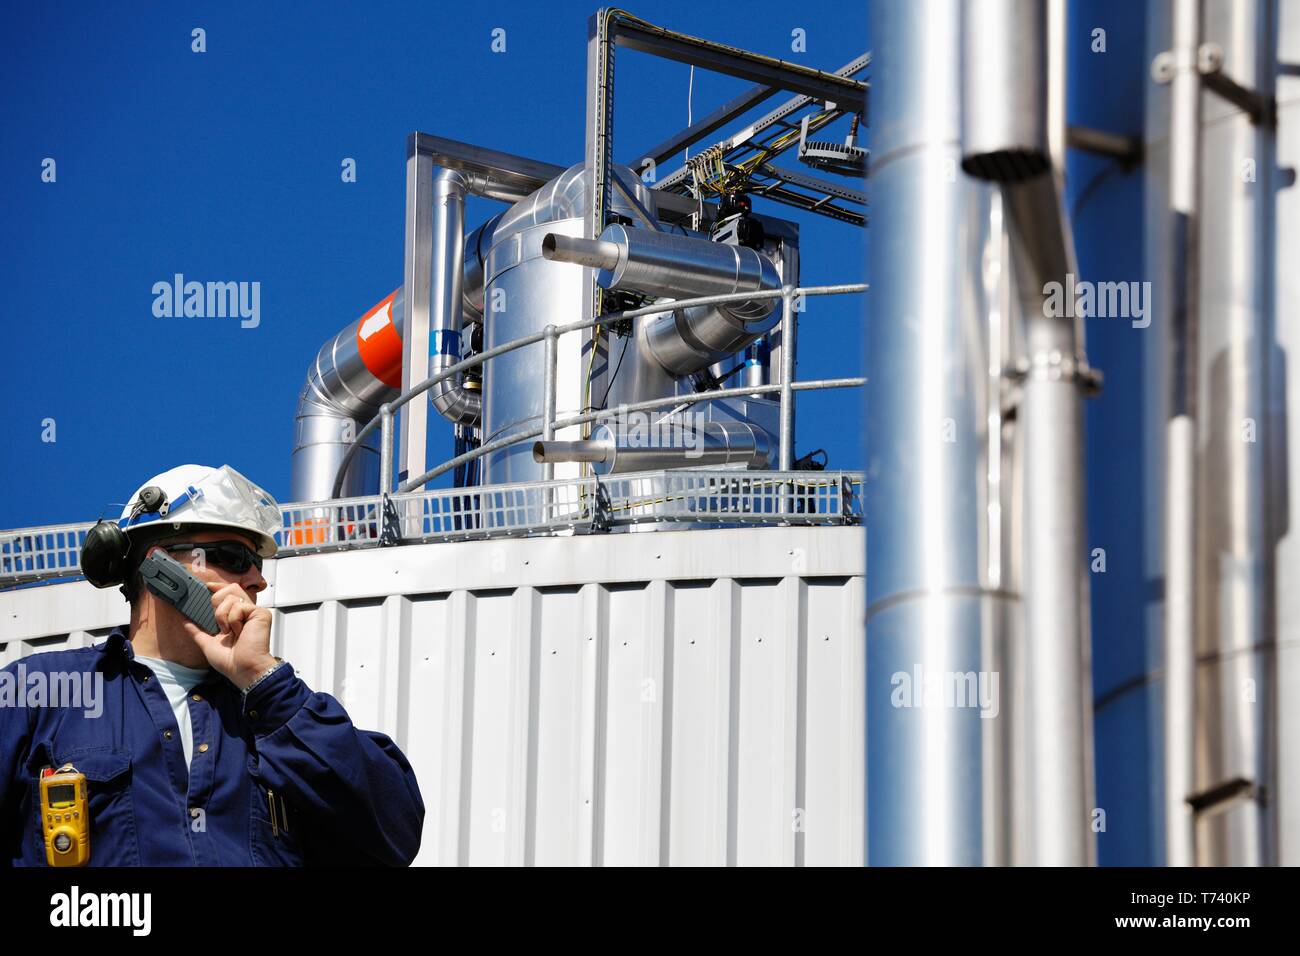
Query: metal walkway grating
x: 688, y: 498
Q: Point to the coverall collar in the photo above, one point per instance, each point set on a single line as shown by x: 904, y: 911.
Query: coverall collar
x: 117, y: 651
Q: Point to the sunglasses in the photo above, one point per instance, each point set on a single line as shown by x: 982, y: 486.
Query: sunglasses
x: 234, y: 556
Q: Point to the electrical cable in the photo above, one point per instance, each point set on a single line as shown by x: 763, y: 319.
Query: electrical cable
x: 690, y: 93
x: 722, y: 378
x: 616, y: 368
x: 1091, y: 187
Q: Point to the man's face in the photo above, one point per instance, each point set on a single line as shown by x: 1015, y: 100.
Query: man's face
x: 251, y: 580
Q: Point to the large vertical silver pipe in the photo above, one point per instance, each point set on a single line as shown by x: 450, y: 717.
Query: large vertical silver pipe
x: 1281, y: 288
x: 527, y: 292
x: 928, y: 600
x: 1007, y: 91
x: 1057, y: 642
x: 1220, y: 225
x: 1180, y: 443
x: 1240, y: 516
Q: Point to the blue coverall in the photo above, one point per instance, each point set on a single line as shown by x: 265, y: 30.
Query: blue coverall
x: 280, y: 778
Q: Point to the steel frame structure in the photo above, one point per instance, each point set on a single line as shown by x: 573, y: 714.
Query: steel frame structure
x: 508, y: 178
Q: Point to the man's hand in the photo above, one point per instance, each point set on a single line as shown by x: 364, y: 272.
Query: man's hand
x: 241, y: 650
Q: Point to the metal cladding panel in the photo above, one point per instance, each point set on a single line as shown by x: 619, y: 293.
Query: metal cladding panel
x: 690, y: 697
x: 559, y: 659
x: 696, y: 697
x: 496, y: 734
x: 832, y: 736
x: 766, y: 677
x: 633, y: 740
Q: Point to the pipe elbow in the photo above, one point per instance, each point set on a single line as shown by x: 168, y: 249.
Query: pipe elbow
x: 685, y: 341
x: 456, y: 403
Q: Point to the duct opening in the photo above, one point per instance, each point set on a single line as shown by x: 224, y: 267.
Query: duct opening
x: 1006, y: 165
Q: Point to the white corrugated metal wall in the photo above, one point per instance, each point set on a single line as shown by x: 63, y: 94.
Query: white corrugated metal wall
x: 680, y: 697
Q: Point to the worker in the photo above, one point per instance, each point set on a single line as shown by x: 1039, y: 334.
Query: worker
x: 199, y: 749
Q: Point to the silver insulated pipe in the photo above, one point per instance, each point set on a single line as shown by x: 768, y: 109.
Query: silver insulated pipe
x: 454, y: 402
x: 1004, y: 91
x: 1057, y: 647
x: 667, y: 265
x: 1005, y: 138
x: 1180, y: 519
x: 619, y: 449
x: 935, y: 602
x: 526, y: 293
x: 1223, y: 247
x: 343, y: 390
x: 360, y: 367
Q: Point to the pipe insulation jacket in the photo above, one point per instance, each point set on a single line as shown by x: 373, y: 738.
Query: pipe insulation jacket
x: 671, y: 266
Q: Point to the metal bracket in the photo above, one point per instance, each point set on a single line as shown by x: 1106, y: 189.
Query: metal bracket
x: 1261, y: 107
x: 629, y: 194
x: 1164, y: 66
x: 1056, y: 366
x: 1221, y: 797
x: 602, y: 514
x: 1126, y: 149
x: 390, y: 524
x: 847, y: 515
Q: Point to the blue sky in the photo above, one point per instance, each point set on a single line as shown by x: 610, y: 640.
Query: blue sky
x: 225, y: 166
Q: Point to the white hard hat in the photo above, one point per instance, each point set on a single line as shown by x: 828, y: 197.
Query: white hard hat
x: 200, y: 495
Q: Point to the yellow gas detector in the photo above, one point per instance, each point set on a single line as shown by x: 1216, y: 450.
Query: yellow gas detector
x: 65, y: 816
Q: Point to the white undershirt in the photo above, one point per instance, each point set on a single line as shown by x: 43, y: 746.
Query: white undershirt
x: 176, y: 681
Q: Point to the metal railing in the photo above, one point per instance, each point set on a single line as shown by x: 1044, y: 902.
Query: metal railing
x: 550, y: 335
x: 699, y: 497
x: 685, y: 498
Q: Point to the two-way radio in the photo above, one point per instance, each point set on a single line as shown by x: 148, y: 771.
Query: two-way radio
x: 171, y: 581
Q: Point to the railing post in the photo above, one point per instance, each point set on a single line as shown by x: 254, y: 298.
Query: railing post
x: 786, y: 455
x: 390, y: 517
x: 548, y: 397
x: 385, y: 448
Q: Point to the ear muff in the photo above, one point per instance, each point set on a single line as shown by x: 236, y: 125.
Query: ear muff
x: 104, y: 554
